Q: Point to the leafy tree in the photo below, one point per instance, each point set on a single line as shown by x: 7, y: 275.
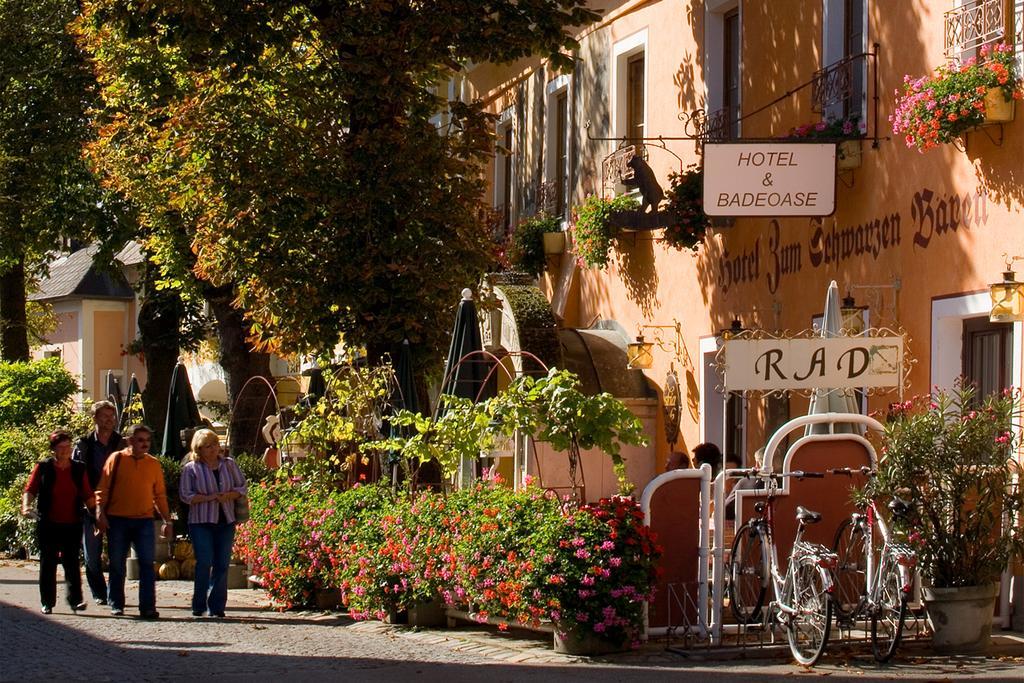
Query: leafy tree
x: 46, y: 192
x: 28, y: 389
x: 287, y: 149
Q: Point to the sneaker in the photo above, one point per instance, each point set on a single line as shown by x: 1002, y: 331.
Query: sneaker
x: 117, y: 612
x: 47, y: 609
x: 79, y: 607
x: 197, y: 614
x: 101, y: 601
x: 151, y: 614
x: 219, y: 615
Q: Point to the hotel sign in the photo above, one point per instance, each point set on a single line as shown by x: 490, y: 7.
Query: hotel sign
x: 769, y: 179
x: 815, y: 363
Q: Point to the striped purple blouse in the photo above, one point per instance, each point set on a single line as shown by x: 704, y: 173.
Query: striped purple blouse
x: 198, y: 480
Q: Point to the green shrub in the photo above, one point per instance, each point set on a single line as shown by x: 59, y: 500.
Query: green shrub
x: 17, y: 533
x: 27, y: 390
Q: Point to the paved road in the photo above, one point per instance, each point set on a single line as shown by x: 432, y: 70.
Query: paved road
x: 257, y: 643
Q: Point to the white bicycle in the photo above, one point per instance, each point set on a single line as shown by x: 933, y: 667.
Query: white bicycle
x: 802, y: 595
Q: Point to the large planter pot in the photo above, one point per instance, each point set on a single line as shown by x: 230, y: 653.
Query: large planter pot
x: 961, y: 618
x: 327, y: 598
x: 848, y: 155
x: 998, y: 109
x: 554, y: 243
x: 584, y: 642
x: 428, y: 613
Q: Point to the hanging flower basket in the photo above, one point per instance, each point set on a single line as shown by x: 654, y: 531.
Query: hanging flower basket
x: 686, y: 206
x: 530, y: 243
x: 593, y: 230
x: 956, y: 99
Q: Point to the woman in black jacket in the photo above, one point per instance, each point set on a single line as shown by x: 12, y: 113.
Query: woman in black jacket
x: 60, y: 490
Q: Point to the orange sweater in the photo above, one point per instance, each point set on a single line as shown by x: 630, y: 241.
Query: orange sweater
x: 138, y: 488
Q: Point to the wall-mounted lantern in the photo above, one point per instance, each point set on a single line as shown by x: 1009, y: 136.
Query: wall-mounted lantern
x: 638, y: 354
x: 1007, y: 296
x: 852, y: 316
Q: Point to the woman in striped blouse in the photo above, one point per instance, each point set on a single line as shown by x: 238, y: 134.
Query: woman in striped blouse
x: 210, y: 483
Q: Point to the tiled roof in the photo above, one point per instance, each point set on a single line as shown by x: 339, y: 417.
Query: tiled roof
x: 76, y: 275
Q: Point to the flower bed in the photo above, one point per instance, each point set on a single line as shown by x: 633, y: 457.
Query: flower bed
x: 518, y: 557
x: 935, y: 109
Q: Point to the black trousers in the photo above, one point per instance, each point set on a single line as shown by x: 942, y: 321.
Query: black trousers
x: 63, y: 542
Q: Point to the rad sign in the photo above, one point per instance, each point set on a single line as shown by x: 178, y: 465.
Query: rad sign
x: 769, y: 179
x: 816, y: 363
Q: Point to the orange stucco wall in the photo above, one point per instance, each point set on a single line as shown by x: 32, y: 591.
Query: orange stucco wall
x: 934, y: 225
x: 108, y: 340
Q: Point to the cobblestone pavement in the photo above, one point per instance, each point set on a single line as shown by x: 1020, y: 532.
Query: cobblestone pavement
x: 256, y: 642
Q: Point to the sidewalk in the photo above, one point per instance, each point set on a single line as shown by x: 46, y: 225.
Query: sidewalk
x: 257, y: 642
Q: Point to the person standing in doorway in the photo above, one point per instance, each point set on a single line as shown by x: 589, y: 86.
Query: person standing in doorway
x: 60, y: 492
x: 210, y: 485
x: 93, y: 450
x: 130, y: 491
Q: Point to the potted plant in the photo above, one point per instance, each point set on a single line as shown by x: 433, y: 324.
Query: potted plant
x: 686, y: 205
x: 952, y: 456
x: 935, y: 109
x: 593, y: 231
x: 533, y: 240
x: 846, y: 132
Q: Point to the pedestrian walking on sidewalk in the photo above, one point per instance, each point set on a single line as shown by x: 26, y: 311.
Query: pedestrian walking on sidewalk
x: 131, y: 490
x: 210, y: 485
x: 60, y: 490
x: 93, y: 451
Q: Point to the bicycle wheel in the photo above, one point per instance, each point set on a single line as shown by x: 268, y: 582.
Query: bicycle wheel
x: 851, y: 576
x: 748, y: 574
x: 808, y: 627
x: 888, y: 614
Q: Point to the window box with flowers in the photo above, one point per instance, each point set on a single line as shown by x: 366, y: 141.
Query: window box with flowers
x: 957, y: 99
x: 686, y: 206
x: 845, y: 132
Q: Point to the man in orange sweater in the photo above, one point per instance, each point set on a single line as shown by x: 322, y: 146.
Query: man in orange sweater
x: 130, y: 491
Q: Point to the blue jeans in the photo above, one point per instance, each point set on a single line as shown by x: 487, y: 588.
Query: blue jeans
x: 212, y: 545
x: 93, y: 547
x: 123, y: 532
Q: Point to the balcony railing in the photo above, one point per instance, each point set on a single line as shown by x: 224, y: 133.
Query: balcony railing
x: 973, y: 24
x: 836, y: 83
x: 709, y: 127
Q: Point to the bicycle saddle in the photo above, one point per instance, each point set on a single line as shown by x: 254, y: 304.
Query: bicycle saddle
x: 807, y: 516
x: 899, y: 506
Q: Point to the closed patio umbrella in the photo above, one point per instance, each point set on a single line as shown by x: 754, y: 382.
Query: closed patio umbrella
x: 824, y: 400
x: 182, y: 413
x: 113, y: 391
x: 465, y: 379
x: 464, y: 376
x: 406, y: 396
x: 132, y: 413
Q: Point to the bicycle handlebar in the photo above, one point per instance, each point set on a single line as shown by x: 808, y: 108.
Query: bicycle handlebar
x: 754, y: 472
x: 849, y: 472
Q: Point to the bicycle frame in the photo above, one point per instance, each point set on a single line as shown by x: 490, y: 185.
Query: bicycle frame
x: 902, y: 555
x: 783, y: 584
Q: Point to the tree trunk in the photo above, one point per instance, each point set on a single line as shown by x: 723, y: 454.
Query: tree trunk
x: 250, y: 408
x: 13, y: 322
x: 159, y: 324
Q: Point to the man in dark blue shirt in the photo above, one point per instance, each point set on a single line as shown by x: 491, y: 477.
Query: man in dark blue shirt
x: 93, y: 450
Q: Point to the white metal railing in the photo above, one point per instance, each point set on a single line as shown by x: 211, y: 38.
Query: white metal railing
x: 973, y: 24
